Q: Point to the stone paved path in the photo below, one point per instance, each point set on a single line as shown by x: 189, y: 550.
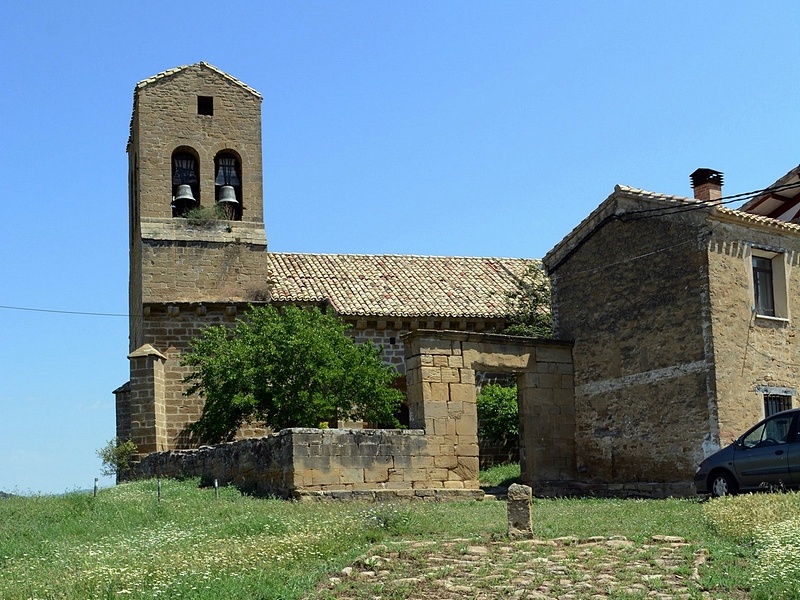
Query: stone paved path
x: 565, y: 568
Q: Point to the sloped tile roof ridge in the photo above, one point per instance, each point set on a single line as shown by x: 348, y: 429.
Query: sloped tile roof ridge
x: 392, y: 255
x: 654, y: 195
x: 175, y: 70
x: 757, y: 219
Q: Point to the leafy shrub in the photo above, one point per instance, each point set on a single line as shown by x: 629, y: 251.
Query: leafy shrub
x: 528, y: 305
x: 205, y: 216
x: 116, y: 456
x: 498, y: 415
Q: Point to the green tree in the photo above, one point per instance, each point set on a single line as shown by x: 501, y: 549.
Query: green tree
x: 528, y: 305
x: 498, y: 415
x: 292, y: 367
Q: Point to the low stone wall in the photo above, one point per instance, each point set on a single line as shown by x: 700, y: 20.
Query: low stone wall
x: 655, y: 490
x: 372, y: 464
x: 261, y: 466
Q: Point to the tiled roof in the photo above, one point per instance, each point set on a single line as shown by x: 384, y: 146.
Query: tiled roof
x: 397, y: 285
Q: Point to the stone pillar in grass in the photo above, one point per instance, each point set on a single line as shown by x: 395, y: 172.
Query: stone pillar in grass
x: 519, y: 511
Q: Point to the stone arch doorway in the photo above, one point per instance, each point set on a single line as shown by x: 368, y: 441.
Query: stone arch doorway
x: 440, y: 373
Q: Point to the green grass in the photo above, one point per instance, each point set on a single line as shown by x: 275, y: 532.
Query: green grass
x: 126, y: 544
x: 500, y: 475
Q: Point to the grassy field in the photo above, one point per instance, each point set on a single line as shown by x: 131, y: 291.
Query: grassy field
x: 126, y: 543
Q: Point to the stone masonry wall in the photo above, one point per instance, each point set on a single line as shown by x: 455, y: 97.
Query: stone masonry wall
x: 753, y: 352
x: 171, y: 328
x: 372, y: 464
x: 634, y: 298
x: 186, y: 263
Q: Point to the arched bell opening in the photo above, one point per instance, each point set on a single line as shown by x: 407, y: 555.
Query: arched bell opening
x: 228, y: 185
x: 185, y: 181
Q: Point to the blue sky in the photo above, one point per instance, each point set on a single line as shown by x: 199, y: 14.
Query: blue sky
x: 465, y: 128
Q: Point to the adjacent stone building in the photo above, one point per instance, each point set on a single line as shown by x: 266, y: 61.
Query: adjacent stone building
x: 681, y: 312
x: 198, y: 254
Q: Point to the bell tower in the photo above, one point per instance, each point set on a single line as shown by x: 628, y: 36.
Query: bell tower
x: 197, y: 240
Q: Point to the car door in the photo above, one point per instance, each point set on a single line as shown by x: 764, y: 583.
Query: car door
x: 762, y: 457
x: 793, y: 452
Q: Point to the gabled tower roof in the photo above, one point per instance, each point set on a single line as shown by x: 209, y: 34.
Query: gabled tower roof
x: 170, y: 73
x: 202, y: 64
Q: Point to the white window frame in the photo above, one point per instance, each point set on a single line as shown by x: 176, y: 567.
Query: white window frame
x: 780, y: 280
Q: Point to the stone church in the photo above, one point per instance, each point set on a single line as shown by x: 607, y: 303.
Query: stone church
x: 199, y: 255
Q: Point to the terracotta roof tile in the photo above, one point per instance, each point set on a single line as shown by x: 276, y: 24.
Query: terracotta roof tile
x: 397, y: 285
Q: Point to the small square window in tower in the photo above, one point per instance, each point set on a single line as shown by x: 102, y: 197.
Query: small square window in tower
x: 205, y: 105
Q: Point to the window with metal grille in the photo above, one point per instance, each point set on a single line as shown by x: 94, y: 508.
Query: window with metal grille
x: 775, y: 403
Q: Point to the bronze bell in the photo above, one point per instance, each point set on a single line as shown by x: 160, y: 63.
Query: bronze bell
x: 184, y: 193
x: 227, y: 195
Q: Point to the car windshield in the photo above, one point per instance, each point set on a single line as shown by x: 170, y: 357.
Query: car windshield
x: 774, y: 431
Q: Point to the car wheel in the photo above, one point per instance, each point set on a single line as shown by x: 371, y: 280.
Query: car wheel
x: 722, y: 484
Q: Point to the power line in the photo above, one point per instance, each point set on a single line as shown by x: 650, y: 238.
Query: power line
x: 702, y: 204
x: 63, y: 312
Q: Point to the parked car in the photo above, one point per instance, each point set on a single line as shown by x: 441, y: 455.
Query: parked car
x: 766, y: 455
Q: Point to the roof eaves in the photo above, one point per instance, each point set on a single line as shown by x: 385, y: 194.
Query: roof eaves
x: 758, y: 199
x: 752, y: 220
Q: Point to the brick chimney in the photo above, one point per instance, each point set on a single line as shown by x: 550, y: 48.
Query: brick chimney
x: 707, y: 185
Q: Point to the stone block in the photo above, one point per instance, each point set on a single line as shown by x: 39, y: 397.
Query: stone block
x: 351, y: 475
x: 498, y: 356
x: 457, y: 362
x: 467, y: 468
x: 446, y: 461
x: 519, y: 511
x: 376, y: 474
x: 436, y: 392
x: 326, y: 477
x: 450, y: 375
x: 454, y: 485
x: 431, y: 374
x: 467, y: 426
x: 435, y: 346
x: 462, y: 392
x: 554, y: 354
